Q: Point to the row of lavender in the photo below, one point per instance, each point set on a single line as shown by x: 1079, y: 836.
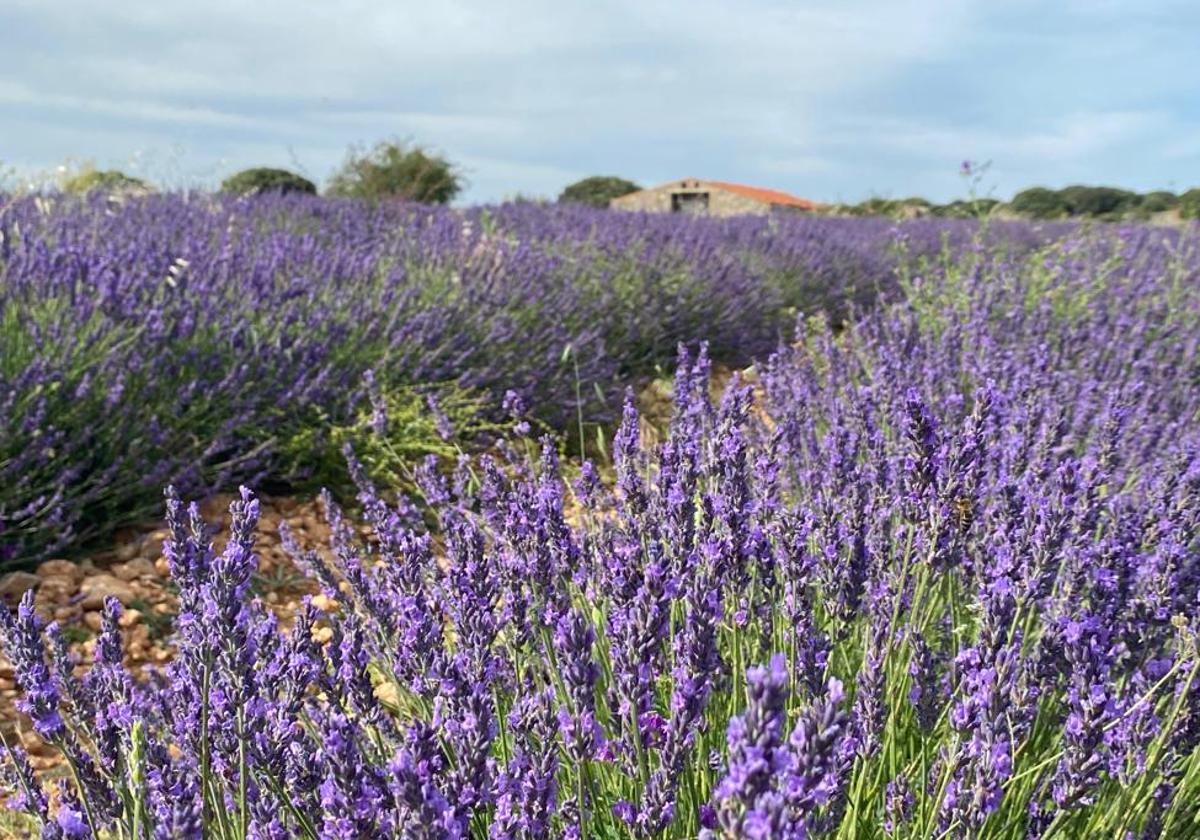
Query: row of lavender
x: 202, y: 342
x: 934, y: 577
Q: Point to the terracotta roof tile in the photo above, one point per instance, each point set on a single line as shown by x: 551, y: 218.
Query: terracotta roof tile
x: 768, y: 196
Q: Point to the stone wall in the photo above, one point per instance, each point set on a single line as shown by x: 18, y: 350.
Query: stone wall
x: 721, y: 202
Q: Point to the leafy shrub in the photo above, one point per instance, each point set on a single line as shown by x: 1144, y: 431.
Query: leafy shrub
x: 393, y: 169
x: 267, y: 180
x: 597, y: 191
x: 1189, y: 204
x: 395, y: 428
x: 104, y: 181
x: 1098, y: 202
x: 1159, y: 201
x: 1040, y: 203
x: 966, y: 209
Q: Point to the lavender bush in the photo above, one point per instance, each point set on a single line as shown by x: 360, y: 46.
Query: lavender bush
x: 202, y: 342
x: 934, y: 576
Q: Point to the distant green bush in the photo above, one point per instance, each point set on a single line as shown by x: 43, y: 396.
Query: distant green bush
x: 969, y: 209
x: 894, y: 208
x: 597, y: 190
x: 265, y: 179
x: 1189, y: 204
x: 1098, y: 202
x: 394, y: 169
x: 1040, y: 203
x: 103, y: 180
x: 877, y: 207
x: 1158, y: 201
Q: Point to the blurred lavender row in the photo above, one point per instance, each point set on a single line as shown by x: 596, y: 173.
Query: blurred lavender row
x: 195, y: 341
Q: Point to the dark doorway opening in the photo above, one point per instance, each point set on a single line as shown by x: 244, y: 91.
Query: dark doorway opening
x: 692, y: 203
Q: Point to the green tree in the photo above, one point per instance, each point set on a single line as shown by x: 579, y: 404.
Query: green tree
x: 1159, y: 200
x: 1040, y: 203
x: 597, y: 190
x: 265, y: 179
x: 395, y: 169
x: 1189, y: 204
x: 1098, y: 202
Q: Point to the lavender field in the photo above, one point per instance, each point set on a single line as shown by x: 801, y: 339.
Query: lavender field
x: 201, y: 342
x: 928, y: 566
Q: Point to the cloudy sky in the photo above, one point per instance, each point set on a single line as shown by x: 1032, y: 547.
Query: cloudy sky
x: 835, y: 100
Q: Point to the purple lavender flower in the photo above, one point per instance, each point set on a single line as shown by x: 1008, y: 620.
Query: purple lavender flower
x: 1091, y: 706
x: 24, y: 788
x: 756, y: 752
x: 526, y: 792
x: 813, y: 773
x: 574, y: 639
x: 925, y: 692
x: 379, y: 412
x: 21, y: 640
x: 898, y: 804
x: 698, y: 663
x: 70, y: 817
x: 441, y: 421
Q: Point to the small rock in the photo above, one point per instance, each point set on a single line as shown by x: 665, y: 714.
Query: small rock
x: 152, y: 543
x: 286, y: 504
x: 216, y: 508
x: 95, y: 589
x: 66, y: 613
x: 162, y: 567
x: 58, y: 589
x: 44, y: 762
x: 322, y: 635
x: 93, y: 621
x: 324, y: 603
x: 60, y: 568
x: 15, y: 584
x: 129, y: 618
x: 127, y: 551
x: 387, y: 693
x: 134, y: 569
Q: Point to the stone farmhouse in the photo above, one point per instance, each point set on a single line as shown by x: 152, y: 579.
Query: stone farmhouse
x: 711, y: 198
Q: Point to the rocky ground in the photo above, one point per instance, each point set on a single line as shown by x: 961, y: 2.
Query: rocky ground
x: 135, y: 573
